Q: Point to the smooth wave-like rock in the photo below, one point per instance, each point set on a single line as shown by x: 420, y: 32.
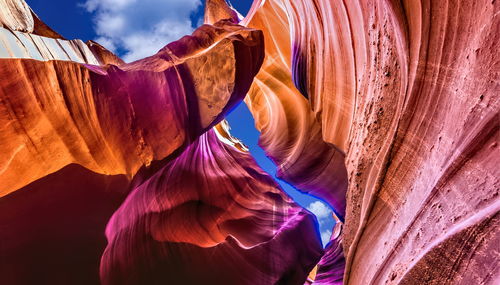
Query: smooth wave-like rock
x: 113, y: 120
x: 209, y: 216
x: 409, y: 90
x: 330, y: 269
x: 388, y: 110
x: 290, y: 133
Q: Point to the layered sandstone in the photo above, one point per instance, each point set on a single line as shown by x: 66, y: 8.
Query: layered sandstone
x: 81, y: 125
x: 388, y: 110
x: 209, y: 216
x: 290, y: 133
x: 409, y: 91
x: 113, y: 120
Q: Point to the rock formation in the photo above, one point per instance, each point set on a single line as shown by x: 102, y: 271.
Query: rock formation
x: 209, y: 216
x: 331, y: 266
x: 289, y: 130
x: 110, y: 119
x: 409, y: 91
x: 119, y: 173
x: 77, y: 120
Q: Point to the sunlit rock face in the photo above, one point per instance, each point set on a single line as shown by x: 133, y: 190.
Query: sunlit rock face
x: 409, y: 91
x: 290, y: 131
x: 115, y: 173
x: 81, y: 130
x: 16, y: 15
x: 114, y: 119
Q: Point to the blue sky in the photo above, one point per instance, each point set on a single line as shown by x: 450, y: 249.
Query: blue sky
x: 138, y: 28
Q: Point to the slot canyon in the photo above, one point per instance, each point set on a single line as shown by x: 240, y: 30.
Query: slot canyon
x: 123, y: 169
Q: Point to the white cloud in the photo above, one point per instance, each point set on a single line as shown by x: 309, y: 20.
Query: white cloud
x: 324, y: 214
x: 140, y: 28
x: 325, y: 236
x: 109, y: 44
x: 320, y: 210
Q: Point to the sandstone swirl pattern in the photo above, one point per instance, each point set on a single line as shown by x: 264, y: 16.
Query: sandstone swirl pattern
x: 113, y: 119
x: 206, y: 217
x: 81, y: 130
x: 409, y: 91
x: 116, y: 173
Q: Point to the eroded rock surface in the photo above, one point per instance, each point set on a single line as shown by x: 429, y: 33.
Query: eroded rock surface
x: 209, y: 216
x: 388, y: 110
x: 114, y: 119
x: 290, y: 132
x: 72, y: 111
x: 409, y: 91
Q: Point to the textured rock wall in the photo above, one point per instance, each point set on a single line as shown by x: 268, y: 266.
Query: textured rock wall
x: 424, y: 184
x: 409, y: 90
x: 209, y: 216
x: 112, y: 120
x: 16, y: 15
x: 388, y: 110
x: 15, y: 44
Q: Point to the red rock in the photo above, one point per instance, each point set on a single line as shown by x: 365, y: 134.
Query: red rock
x: 52, y: 229
x: 113, y: 120
x: 209, y: 216
x: 386, y: 109
x: 409, y: 90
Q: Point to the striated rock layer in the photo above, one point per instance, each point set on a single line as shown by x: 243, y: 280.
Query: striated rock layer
x: 290, y: 133
x: 427, y: 161
x: 388, y: 110
x: 81, y: 130
x: 112, y: 120
x: 209, y: 216
x: 409, y: 91
x: 331, y: 266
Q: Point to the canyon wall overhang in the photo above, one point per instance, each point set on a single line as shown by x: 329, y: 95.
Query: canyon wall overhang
x: 387, y: 110
x: 60, y: 106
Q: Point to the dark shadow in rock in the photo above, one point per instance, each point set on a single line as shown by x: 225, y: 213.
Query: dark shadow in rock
x: 52, y: 230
